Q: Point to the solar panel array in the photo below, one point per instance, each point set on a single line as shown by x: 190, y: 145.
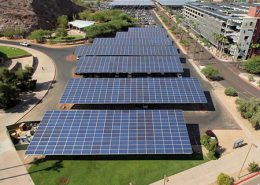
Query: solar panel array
x: 119, y: 132
x: 129, y: 64
x: 132, y: 3
x: 174, y: 2
x: 133, y: 91
x: 141, y: 34
x: 132, y: 41
x: 126, y: 50
x: 111, y: 132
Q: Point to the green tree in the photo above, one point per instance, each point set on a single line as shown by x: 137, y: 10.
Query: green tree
x: 12, y: 32
x: 210, y: 72
x: 230, y: 91
x: 62, y: 21
x: 24, y: 78
x: 61, y: 33
x: 224, y: 179
x: 6, y: 76
x: 252, y: 65
x: 253, y: 167
x: 39, y: 35
x: 8, y: 94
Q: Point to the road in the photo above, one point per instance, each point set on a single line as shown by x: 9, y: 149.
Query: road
x: 64, y: 72
x: 228, y: 72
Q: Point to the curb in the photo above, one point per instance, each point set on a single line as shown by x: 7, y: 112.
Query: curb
x: 47, y: 91
x: 248, y: 178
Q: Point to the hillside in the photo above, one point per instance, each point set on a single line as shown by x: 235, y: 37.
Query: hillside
x: 32, y: 14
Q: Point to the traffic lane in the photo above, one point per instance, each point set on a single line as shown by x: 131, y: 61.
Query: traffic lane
x: 208, y: 120
x: 230, y: 77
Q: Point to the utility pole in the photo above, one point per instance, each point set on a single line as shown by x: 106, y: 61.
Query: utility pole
x: 252, y: 144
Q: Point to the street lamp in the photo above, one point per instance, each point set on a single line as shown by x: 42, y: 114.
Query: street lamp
x: 252, y: 144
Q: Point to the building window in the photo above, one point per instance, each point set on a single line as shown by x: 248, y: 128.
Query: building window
x: 251, y: 23
x: 246, y: 37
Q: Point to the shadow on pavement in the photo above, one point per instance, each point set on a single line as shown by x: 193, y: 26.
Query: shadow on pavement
x: 54, y: 167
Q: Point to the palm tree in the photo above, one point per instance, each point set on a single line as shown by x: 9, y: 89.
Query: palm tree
x: 253, y: 46
x: 222, y: 41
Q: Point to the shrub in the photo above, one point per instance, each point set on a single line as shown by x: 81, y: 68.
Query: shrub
x: 39, y: 35
x: 250, y: 110
x: 224, y: 179
x: 253, y: 65
x: 208, y: 143
x: 253, y: 167
x: 61, y: 32
x: 12, y: 32
x: 210, y: 72
x: 251, y: 78
x: 211, y: 155
x: 230, y: 91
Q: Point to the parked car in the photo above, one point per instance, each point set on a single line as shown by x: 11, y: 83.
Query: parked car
x: 25, y: 44
x: 212, y: 135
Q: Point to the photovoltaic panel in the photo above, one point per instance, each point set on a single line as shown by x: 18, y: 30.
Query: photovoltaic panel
x: 133, y: 91
x: 174, y: 2
x: 126, y: 50
x: 147, y: 35
x: 132, y: 3
x: 132, y: 41
x: 158, y: 30
x: 129, y: 64
x: 111, y: 132
x: 148, y: 29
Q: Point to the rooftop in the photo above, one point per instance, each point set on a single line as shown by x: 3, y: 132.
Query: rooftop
x: 222, y: 11
x: 81, y: 24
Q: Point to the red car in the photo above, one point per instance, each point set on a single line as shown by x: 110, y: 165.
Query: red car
x: 212, y: 135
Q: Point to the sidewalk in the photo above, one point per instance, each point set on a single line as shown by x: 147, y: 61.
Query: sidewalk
x: 12, y: 169
x: 207, y: 173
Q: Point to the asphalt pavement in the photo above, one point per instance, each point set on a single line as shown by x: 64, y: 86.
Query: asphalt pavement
x: 64, y: 73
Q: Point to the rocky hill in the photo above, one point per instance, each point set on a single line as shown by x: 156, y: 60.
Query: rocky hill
x: 34, y: 14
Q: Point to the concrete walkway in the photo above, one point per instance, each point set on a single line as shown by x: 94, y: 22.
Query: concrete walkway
x: 12, y: 170
x: 207, y: 173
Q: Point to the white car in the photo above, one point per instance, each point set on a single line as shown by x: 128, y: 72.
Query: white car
x: 25, y: 44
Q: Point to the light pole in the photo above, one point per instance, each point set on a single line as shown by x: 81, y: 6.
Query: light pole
x: 252, y: 144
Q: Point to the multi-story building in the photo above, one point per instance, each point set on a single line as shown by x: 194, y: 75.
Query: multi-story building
x: 229, y: 21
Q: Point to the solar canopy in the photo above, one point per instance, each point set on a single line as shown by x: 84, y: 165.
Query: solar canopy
x: 132, y: 3
x: 132, y: 41
x: 174, y: 2
x: 126, y: 50
x: 148, y: 35
x: 133, y: 91
x: 111, y: 132
x: 129, y: 64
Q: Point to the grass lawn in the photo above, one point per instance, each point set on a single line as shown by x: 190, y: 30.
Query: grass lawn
x: 11, y: 52
x: 68, y: 38
x: 107, y: 172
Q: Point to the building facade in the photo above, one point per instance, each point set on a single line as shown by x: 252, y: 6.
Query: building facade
x: 228, y: 21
